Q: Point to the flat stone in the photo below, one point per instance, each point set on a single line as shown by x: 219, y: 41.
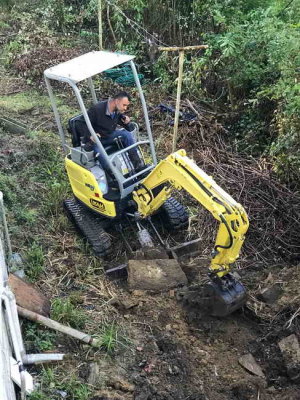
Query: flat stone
x: 155, y: 275
x: 290, y: 349
x: 270, y: 294
x: 249, y: 363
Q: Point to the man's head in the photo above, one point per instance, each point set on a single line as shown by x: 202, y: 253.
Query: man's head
x: 121, y: 101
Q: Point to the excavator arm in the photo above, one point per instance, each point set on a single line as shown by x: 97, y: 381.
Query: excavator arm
x: 182, y: 173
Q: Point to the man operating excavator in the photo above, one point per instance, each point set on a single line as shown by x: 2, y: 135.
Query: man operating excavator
x: 141, y: 195
x: 105, y: 118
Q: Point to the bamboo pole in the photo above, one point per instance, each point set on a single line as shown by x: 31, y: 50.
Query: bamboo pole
x: 100, y: 24
x: 179, y: 82
x: 32, y: 316
x: 179, y: 85
x: 186, y: 48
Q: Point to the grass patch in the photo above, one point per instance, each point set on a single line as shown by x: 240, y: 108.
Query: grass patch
x: 24, y: 102
x: 64, y: 311
x: 28, y: 100
x: 47, y: 168
x: 26, y: 216
x: 34, y: 261
x: 3, y: 25
x: 10, y: 188
x: 52, y: 387
x: 111, y: 338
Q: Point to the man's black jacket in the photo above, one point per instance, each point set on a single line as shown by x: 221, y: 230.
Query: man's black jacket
x: 102, y: 121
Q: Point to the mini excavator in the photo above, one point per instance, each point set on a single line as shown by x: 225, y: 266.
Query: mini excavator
x: 101, y: 199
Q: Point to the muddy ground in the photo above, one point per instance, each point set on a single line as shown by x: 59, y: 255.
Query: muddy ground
x: 168, y: 349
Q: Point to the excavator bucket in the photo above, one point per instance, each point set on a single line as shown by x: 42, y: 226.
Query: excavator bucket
x: 224, y: 295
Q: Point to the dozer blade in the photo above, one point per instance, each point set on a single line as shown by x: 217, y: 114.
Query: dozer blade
x: 224, y: 295
x: 186, y: 249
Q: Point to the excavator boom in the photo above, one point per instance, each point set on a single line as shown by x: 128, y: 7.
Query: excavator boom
x: 182, y: 173
x: 224, y: 293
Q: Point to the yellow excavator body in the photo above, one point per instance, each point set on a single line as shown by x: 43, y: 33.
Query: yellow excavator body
x: 87, y: 190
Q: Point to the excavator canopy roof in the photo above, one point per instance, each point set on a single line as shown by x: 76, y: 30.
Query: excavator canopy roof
x: 86, y: 66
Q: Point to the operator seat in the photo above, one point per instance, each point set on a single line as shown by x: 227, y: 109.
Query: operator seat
x: 78, y: 130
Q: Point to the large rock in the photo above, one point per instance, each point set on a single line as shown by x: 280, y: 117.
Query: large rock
x: 155, y: 275
x: 290, y: 350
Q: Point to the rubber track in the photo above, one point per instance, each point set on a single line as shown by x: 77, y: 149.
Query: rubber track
x: 89, y: 227
x: 175, y: 214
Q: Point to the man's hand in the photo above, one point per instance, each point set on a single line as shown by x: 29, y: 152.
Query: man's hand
x: 125, y: 119
x: 92, y: 137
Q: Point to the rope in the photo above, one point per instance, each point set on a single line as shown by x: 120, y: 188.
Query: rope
x: 128, y: 20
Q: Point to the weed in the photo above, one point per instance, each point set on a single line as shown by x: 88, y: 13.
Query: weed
x: 56, y: 193
x: 58, y: 222
x: 64, y: 311
x: 91, y: 267
x: 27, y: 216
x: 53, y: 387
x: 3, y: 25
x: 10, y: 188
x: 111, y: 338
x: 48, y: 376
x: 34, y: 261
x: 37, y: 395
x: 42, y: 340
x: 80, y: 391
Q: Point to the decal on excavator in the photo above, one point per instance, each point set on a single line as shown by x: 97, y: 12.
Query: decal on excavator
x: 97, y: 204
x: 90, y: 186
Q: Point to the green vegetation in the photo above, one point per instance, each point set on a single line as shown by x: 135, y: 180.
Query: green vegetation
x: 64, y: 311
x: 39, y: 338
x: 51, y: 386
x: 25, y: 101
x: 250, y: 70
x: 34, y: 261
x: 111, y: 338
x: 10, y: 188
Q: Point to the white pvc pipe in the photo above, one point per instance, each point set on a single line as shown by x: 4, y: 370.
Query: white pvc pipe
x: 42, y: 358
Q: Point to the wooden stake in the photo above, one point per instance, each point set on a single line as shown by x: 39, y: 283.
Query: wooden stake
x: 186, y: 48
x: 179, y: 83
x: 100, y: 24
